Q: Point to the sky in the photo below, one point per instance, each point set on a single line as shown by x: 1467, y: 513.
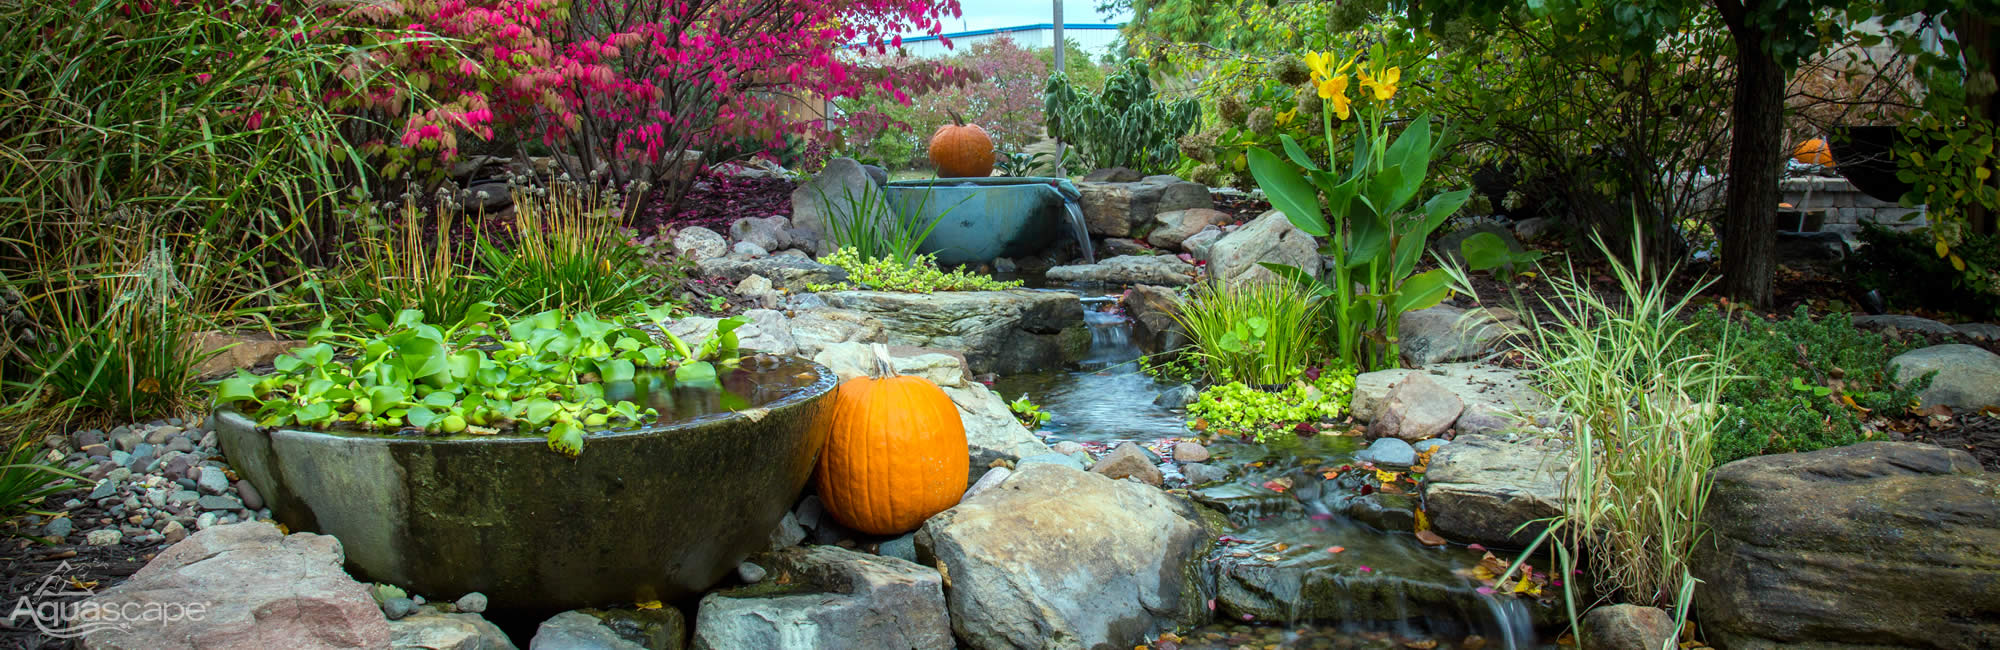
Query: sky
x: 988, y: 14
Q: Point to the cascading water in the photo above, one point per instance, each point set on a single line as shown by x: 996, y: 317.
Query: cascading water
x: 1278, y: 575
x: 1079, y: 228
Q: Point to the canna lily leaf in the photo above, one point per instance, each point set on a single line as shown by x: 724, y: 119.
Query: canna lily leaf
x: 1289, y: 192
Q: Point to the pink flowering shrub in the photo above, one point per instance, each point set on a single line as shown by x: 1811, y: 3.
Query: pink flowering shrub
x: 631, y: 84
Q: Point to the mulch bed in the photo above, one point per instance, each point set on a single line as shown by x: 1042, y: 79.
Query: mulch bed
x: 24, y: 564
x: 716, y: 201
x: 1977, y: 434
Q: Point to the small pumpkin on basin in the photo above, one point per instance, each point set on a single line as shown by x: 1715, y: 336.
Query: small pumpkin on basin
x: 896, y: 454
x: 961, y: 150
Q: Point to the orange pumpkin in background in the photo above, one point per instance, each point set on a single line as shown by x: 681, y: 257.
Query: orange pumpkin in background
x: 896, y: 455
x: 1814, y: 152
x: 961, y: 150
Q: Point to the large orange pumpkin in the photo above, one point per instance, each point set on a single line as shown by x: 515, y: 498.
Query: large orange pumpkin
x: 1814, y: 152
x: 961, y: 150
x: 896, y: 455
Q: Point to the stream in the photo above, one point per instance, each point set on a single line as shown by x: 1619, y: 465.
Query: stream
x: 1318, y: 555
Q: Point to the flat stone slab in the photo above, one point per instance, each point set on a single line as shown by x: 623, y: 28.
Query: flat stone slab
x: 1013, y: 331
x: 1495, y: 398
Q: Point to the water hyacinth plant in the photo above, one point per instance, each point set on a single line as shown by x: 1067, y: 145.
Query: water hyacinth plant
x: 1371, y: 235
x: 482, y: 375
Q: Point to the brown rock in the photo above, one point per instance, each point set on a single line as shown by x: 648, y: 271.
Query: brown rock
x: 1152, y: 310
x: 1172, y: 228
x: 1417, y: 408
x: 234, y: 351
x: 1130, y: 460
x: 1190, y: 452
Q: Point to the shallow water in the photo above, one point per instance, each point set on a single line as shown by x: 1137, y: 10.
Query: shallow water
x: 1281, y: 581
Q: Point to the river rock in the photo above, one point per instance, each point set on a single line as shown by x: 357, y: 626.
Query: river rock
x: 839, y: 599
x: 833, y: 194
x: 744, y: 250
x: 262, y: 589
x: 1627, y: 627
x: 1172, y: 228
x: 695, y: 243
x: 1417, y: 408
x: 987, y: 481
x: 1444, y: 333
x: 1389, y: 451
x: 1202, y: 244
x: 1968, y: 376
x: 769, y: 233
x: 1129, y: 460
x: 617, y: 629
x: 1495, y: 398
x: 1004, y: 332
x: 1054, y: 553
x: 1152, y: 310
x: 1177, y: 397
x: 430, y: 630
x: 793, y: 274
x: 1894, y: 323
x: 1480, y: 489
x: 815, y: 330
x: 232, y: 351
x: 1979, y: 331
x: 1128, y: 269
x: 1200, y: 473
x: 1270, y: 238
x: 1117, y: 209
x: 1190, y: 452
x: 768, y: 331
x: 1878, y: 544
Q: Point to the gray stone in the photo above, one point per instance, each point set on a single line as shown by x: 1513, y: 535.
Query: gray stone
x: 769, y: 233
x: 1172, y: 228
x: 248, y: 493
x: 1117, y: 209
x: 1176, y: 397
x: 789, y: 273
x: 1051, y: 458
x: 1128, y: 269
x: 1118, y: 246
x: 835, y: 193
x: 1200, y: 473
x: 183, y: 497
x: 105, y: 488
x: 121, y: 457
x: 1481, y: 489
x: 750, y: 573
x: 1018, y: 579
x: 1129, y: 460
x: 902, y: 547
x: 1878, y: 544
x: 1628, y: 627
x: 1422, y: 446
x: 842, y: 599
x: 1902, y: 323
x: 212, y: 480
x: 695, y: 243
x: 787, y: 533
x: 1811, y: 250
x: 1495, y: 398
x: 1444, y: 333
x: 747, y: 251
x: 1005, y: 265
x: 1004, y: 332
x: 429, y: 630
x: 816, y: 329
x: 398, y: 607
x: 1190, y: 452
x: 173, y: 532
x: 118, y: 475
x: 1152, y: 312
x: 1202, y: 244
x: 1534, y: 229
x: 219, y: 502
x: 1979, y: 331
x: 1417, y: 408
x: 1270, y: 238
x: 474, y: 602
x: 1389, y: 451
x: 1113, y: 175
x: 58, y: 528
x: 986, y: 481
x: 235, y: 570
x: 618, y: 629
x: 126, y: 439
x: 1968, y: 377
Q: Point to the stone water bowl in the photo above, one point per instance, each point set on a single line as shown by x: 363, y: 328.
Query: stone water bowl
x: 986, y: 218
x: 660, y: 512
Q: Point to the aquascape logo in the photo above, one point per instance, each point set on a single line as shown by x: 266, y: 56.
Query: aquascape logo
x: 60, y: 609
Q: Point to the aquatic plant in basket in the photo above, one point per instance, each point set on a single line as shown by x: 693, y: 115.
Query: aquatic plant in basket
x: 484, y: 374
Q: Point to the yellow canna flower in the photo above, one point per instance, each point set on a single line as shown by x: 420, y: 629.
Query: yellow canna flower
x: 1385, y: 86
x: 1335, y: 89
x: 1285, y: 118
x: 1318, y: 61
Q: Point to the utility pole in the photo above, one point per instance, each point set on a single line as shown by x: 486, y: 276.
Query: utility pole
x: 1061, y: 47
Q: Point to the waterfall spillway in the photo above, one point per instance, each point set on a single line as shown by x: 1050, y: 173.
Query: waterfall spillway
x: 1079, y: 228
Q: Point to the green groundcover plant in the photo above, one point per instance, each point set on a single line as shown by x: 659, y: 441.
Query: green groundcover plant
x: 920, y: 275
x: 483, y: 374
x: 1238, y: 409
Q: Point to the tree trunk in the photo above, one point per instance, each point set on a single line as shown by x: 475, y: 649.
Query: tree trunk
x: 1975, y: 37
x: 1756, y: 158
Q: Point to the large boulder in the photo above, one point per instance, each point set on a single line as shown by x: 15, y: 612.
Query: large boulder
x: 814, y: 330
x: 1056, y: 557
x: 617, y: 629
x: 1118, y: 209
x: 1270, y: 238
x: 1495, y: 398
x: 835, y: 598
x: 792, y: 274
x: 1172, y: 228
x: 257, y: 588
x: 431, y: 630
x: 1445, y: 333
x: 770, y: 233
x: 999, y: 331
x: 991, y: 431
x: 1128, y: 269
x: 834, y: 194
x: 1481, y: 488
x: 1152, y: 311
x: 1968, y: 377
x: 1417, y: 408
x: 1874, y: 545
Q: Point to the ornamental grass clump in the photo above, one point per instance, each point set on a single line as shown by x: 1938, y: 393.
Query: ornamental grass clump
x: 1261, y: 332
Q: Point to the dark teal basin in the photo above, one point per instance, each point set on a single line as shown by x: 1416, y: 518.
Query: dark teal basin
x: 985, y: 218
x: 660, y: 512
